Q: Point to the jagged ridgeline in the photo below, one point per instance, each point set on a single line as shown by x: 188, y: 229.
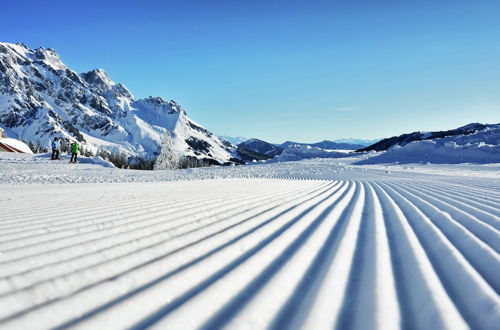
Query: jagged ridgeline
x: 41, y: 98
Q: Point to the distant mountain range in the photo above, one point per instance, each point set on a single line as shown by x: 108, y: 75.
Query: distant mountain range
x: 330, y: 145
x: 337, y: 144
x: 233, y: 140
x: 255, y: 149
x: 473, y: 143
x: 404, y: 139
x: 363, y: 142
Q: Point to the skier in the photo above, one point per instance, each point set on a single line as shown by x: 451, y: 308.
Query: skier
x: 55, y: 149
x: 74, y: 152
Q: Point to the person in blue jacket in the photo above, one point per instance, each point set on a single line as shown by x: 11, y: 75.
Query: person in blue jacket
x: 55, y: 149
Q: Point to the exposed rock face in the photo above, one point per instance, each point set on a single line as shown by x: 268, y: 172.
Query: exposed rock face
x: 41, y: 98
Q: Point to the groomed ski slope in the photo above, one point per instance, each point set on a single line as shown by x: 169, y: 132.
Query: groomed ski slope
x: 366, y: 248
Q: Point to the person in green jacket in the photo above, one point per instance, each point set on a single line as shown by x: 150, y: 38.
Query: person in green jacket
x: 74, y: 152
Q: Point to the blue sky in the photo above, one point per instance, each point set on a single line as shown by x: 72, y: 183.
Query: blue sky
x: 286, y: 70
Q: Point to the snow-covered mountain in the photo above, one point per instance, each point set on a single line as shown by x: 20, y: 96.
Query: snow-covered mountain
x: 404, y: 139
x: 40, y: 98
x: 473, y: 143
x: 255, y: 149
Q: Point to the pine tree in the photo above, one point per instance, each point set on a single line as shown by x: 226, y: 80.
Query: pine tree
x: 168, y: 158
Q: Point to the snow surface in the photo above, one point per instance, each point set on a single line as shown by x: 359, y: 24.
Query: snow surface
x: 313, y: 244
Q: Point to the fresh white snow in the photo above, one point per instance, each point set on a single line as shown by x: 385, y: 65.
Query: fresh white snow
x: 16, y: 144
x: 312, y: 244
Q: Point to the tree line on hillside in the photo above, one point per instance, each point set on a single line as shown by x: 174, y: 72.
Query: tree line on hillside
x: 167, y: 158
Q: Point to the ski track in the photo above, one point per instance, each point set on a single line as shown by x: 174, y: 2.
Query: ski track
x: 354, y: 251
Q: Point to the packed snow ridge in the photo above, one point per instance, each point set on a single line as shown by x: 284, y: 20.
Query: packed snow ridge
x: 40, y: 98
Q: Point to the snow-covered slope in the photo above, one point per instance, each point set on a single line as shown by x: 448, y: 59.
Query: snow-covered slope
x: 474, y: 143
x: 41, y: 98
x: 361, y: 248
x: 404, y: 139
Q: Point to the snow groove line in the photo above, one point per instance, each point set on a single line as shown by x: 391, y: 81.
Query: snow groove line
x: 115, y: 216
x: 318, y: 303
x: 267, y: 221
x: 294, y: 307
x: 279, y: 262
x: 420, y: 292
x: 104, y: 216
x: 467, y: 197
x: 202, y: 201
x: 371, y: 298
x: 484, y: 213
x: 469, y: 291
x: 288, y: 211
x: 493, y: 188
x: 468, y: 202
x: 465, y: 189
x: 479, y: 229
x: 487, y: 198
x: 246, y: 293
x: 85, y: 290
x: 479, y: 254
x: 71, y: 241
x: 70, y: 201
x: 81, y: 208
x: 64, y: 265
x: 64, y: 252
x: 98, y: 211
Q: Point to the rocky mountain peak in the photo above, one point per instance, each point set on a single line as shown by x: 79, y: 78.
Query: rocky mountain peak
x: 99, y: 78
x: 42, y: 98
x: 162, y: 104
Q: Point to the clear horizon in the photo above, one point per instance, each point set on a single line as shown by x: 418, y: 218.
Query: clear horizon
x: 286, y: 70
